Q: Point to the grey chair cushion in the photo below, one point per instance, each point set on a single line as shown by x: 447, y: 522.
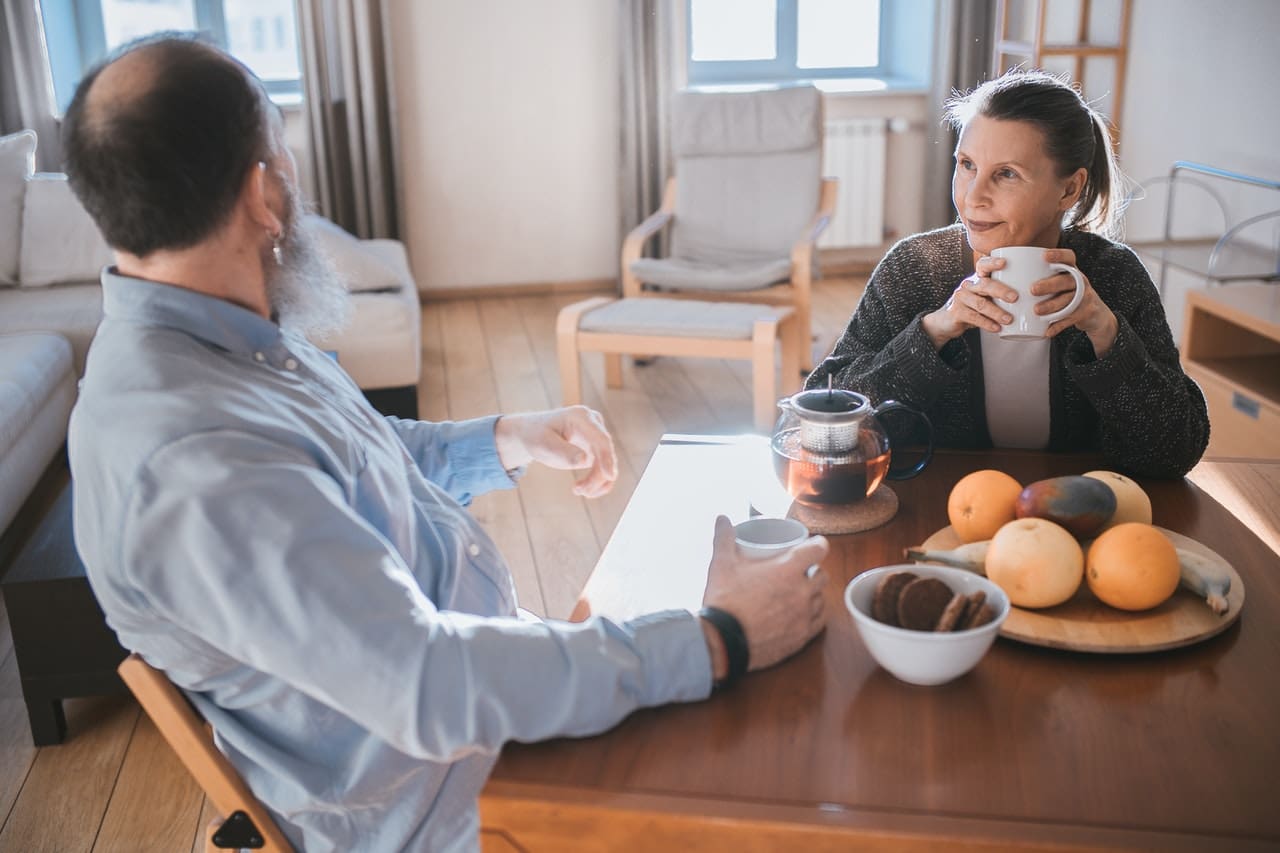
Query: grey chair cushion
x: 748, y: 169
x: 685, y: 274
x: 680, y: 318
x: 717, y: 124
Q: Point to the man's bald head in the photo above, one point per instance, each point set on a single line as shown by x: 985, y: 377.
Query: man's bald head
x: 159, y: 140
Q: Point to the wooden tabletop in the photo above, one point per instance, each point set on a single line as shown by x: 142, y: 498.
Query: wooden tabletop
x: 1172, y: 750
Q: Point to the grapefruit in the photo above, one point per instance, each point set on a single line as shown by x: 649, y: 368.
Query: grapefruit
x: 1036, y: 562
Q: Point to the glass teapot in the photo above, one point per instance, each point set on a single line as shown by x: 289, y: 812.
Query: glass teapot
x: 831, y: 447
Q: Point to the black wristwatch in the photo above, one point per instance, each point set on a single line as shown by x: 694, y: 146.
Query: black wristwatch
x: 735, y: 642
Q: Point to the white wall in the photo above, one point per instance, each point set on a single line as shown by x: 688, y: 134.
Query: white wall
x: 1201, y: 86
x: 508, y: 134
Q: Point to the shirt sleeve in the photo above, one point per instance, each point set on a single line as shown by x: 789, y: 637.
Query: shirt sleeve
x: 248, y: 545
x: 459, y: 456
x: 1153, y: 417
x: 885, y: 352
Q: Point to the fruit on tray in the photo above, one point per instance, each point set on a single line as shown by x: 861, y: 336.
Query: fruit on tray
x: 1132, y: 566
x: 1083, y: 505
x: 981, y: 503
x: 1132, y: 503
x: 1037, y: 562
x: 1207, y: 578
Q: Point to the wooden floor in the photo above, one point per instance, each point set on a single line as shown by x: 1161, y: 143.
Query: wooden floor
x: 115, y: 785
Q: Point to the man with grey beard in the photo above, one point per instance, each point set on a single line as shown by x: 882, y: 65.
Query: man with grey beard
x: 301, y: 566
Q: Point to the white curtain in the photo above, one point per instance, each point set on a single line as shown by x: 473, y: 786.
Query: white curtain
x: 351, y: 113
x: 962, y: 59
x: 26, y: 83
x: 653, y: 67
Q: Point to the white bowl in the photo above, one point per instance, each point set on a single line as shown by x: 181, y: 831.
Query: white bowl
x: 924, y: 657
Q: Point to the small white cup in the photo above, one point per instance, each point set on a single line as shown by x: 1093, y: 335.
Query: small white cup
x: 1023, y: 267
x: 760, y: 538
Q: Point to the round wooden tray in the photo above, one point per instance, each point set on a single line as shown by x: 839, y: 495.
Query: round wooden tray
x: 1085, y: 624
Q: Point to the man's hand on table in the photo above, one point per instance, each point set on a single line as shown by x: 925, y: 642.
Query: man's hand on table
x: 779, y: 606
x: 570, y: 439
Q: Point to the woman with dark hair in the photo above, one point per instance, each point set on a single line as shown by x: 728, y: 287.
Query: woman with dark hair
x: 1034, y: 167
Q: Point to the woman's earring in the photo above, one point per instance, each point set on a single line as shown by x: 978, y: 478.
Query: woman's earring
x: 275, y: 250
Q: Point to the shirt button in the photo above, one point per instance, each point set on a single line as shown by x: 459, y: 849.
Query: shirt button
x: 257, y: 356
x: 473, y: 549
x: 291, y: 364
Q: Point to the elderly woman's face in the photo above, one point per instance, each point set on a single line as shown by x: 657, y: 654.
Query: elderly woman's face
x: 1006, y: 188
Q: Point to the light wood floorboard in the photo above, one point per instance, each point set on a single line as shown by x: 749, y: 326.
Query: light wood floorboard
x: 115, y: 785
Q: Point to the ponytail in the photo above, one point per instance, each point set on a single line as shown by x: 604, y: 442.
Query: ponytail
x: 1097, y: 210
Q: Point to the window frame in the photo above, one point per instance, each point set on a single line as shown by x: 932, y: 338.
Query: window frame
x: 782, y: 68
x: 91, y: 45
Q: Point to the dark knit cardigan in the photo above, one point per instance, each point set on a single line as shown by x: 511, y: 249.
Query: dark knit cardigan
x: 1136, y: 405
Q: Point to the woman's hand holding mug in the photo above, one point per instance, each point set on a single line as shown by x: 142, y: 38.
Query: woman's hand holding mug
x: 989, y: 298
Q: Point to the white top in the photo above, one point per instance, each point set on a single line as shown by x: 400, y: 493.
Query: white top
x: 1015, y: 377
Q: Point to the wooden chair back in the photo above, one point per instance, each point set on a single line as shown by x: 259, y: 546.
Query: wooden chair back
x: 192, y: 739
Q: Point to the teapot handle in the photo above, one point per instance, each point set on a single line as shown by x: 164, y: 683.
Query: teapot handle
x: 906, y: 473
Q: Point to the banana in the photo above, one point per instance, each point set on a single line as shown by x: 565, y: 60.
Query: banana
x: 972, y: 556
x: 1205, y: 577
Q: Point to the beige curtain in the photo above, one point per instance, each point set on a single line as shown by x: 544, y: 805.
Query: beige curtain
x: 26, y: 84
x: 653, y: 66
x: 351, y: 113
x: 962, y: 59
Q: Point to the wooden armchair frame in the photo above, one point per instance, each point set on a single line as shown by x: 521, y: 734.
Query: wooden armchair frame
x: 248, y: 824
x: 796, y: 291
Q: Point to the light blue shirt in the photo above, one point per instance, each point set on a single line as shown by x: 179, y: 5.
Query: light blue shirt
x: 303, y: 567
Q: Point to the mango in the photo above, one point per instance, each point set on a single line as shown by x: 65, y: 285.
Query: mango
x: 1083, y: 505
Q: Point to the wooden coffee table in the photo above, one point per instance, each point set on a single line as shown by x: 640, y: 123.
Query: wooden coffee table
x: 1036, y: 747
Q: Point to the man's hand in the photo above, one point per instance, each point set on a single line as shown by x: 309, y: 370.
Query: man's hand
x: 570, y: 439
x: 777, y: 602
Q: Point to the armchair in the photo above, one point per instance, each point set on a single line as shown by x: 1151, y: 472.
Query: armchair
x: 745, y: 206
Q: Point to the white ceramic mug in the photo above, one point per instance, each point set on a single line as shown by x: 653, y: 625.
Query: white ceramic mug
x: 1023, y: 267
x: 760, y: 538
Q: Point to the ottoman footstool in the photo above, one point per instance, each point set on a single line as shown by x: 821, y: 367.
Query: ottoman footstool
x: 680, y: 327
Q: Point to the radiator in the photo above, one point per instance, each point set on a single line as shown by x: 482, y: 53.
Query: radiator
x: 854, y: 152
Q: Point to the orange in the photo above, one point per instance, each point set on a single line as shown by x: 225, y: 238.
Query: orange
x: 981, y: 503
x: 1036, y: 562
x: 1132, y: 566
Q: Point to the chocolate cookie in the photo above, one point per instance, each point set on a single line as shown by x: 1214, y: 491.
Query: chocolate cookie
x: 884, y: 603
x: 922, y: 602
x: 978, y: 616
x: 953, y: 616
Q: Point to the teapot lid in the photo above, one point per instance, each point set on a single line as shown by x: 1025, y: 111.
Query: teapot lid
x: 830, y: 402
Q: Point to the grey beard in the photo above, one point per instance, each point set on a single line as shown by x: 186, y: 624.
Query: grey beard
x: 306, y: 293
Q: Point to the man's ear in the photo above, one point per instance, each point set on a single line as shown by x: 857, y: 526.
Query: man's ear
x: 260, y: 198
x: 1072, y: 189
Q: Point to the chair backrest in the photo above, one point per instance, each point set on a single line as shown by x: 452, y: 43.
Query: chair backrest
x: 192, y: 739
x: 748, y: 169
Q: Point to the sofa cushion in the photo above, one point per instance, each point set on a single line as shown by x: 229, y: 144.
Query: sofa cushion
x: 17, y: 160
x: 363, y: 269
x: 60, y: 243
x: 73, y: 311
x: 37, y: 391
x: 381, y: 344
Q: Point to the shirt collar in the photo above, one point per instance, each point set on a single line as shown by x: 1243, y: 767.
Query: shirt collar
x: 216, y: 321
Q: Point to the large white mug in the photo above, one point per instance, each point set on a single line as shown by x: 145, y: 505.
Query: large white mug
x: 1023, y: 267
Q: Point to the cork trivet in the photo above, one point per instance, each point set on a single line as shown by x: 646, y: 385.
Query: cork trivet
x: 848, y: 518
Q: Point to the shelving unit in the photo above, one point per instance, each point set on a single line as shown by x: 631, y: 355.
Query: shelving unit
x: 1220, y: 258
x: 1231, y: 347
x: 1035, y: 50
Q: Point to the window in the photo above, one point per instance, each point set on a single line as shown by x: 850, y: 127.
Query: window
x: 82, y: 32
x: 736, y: 41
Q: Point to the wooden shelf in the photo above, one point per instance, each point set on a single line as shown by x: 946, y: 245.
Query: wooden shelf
x: 1231, y: 347
x: 1035, y: 49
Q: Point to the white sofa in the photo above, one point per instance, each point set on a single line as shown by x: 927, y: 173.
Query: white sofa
x: 51, y: 302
